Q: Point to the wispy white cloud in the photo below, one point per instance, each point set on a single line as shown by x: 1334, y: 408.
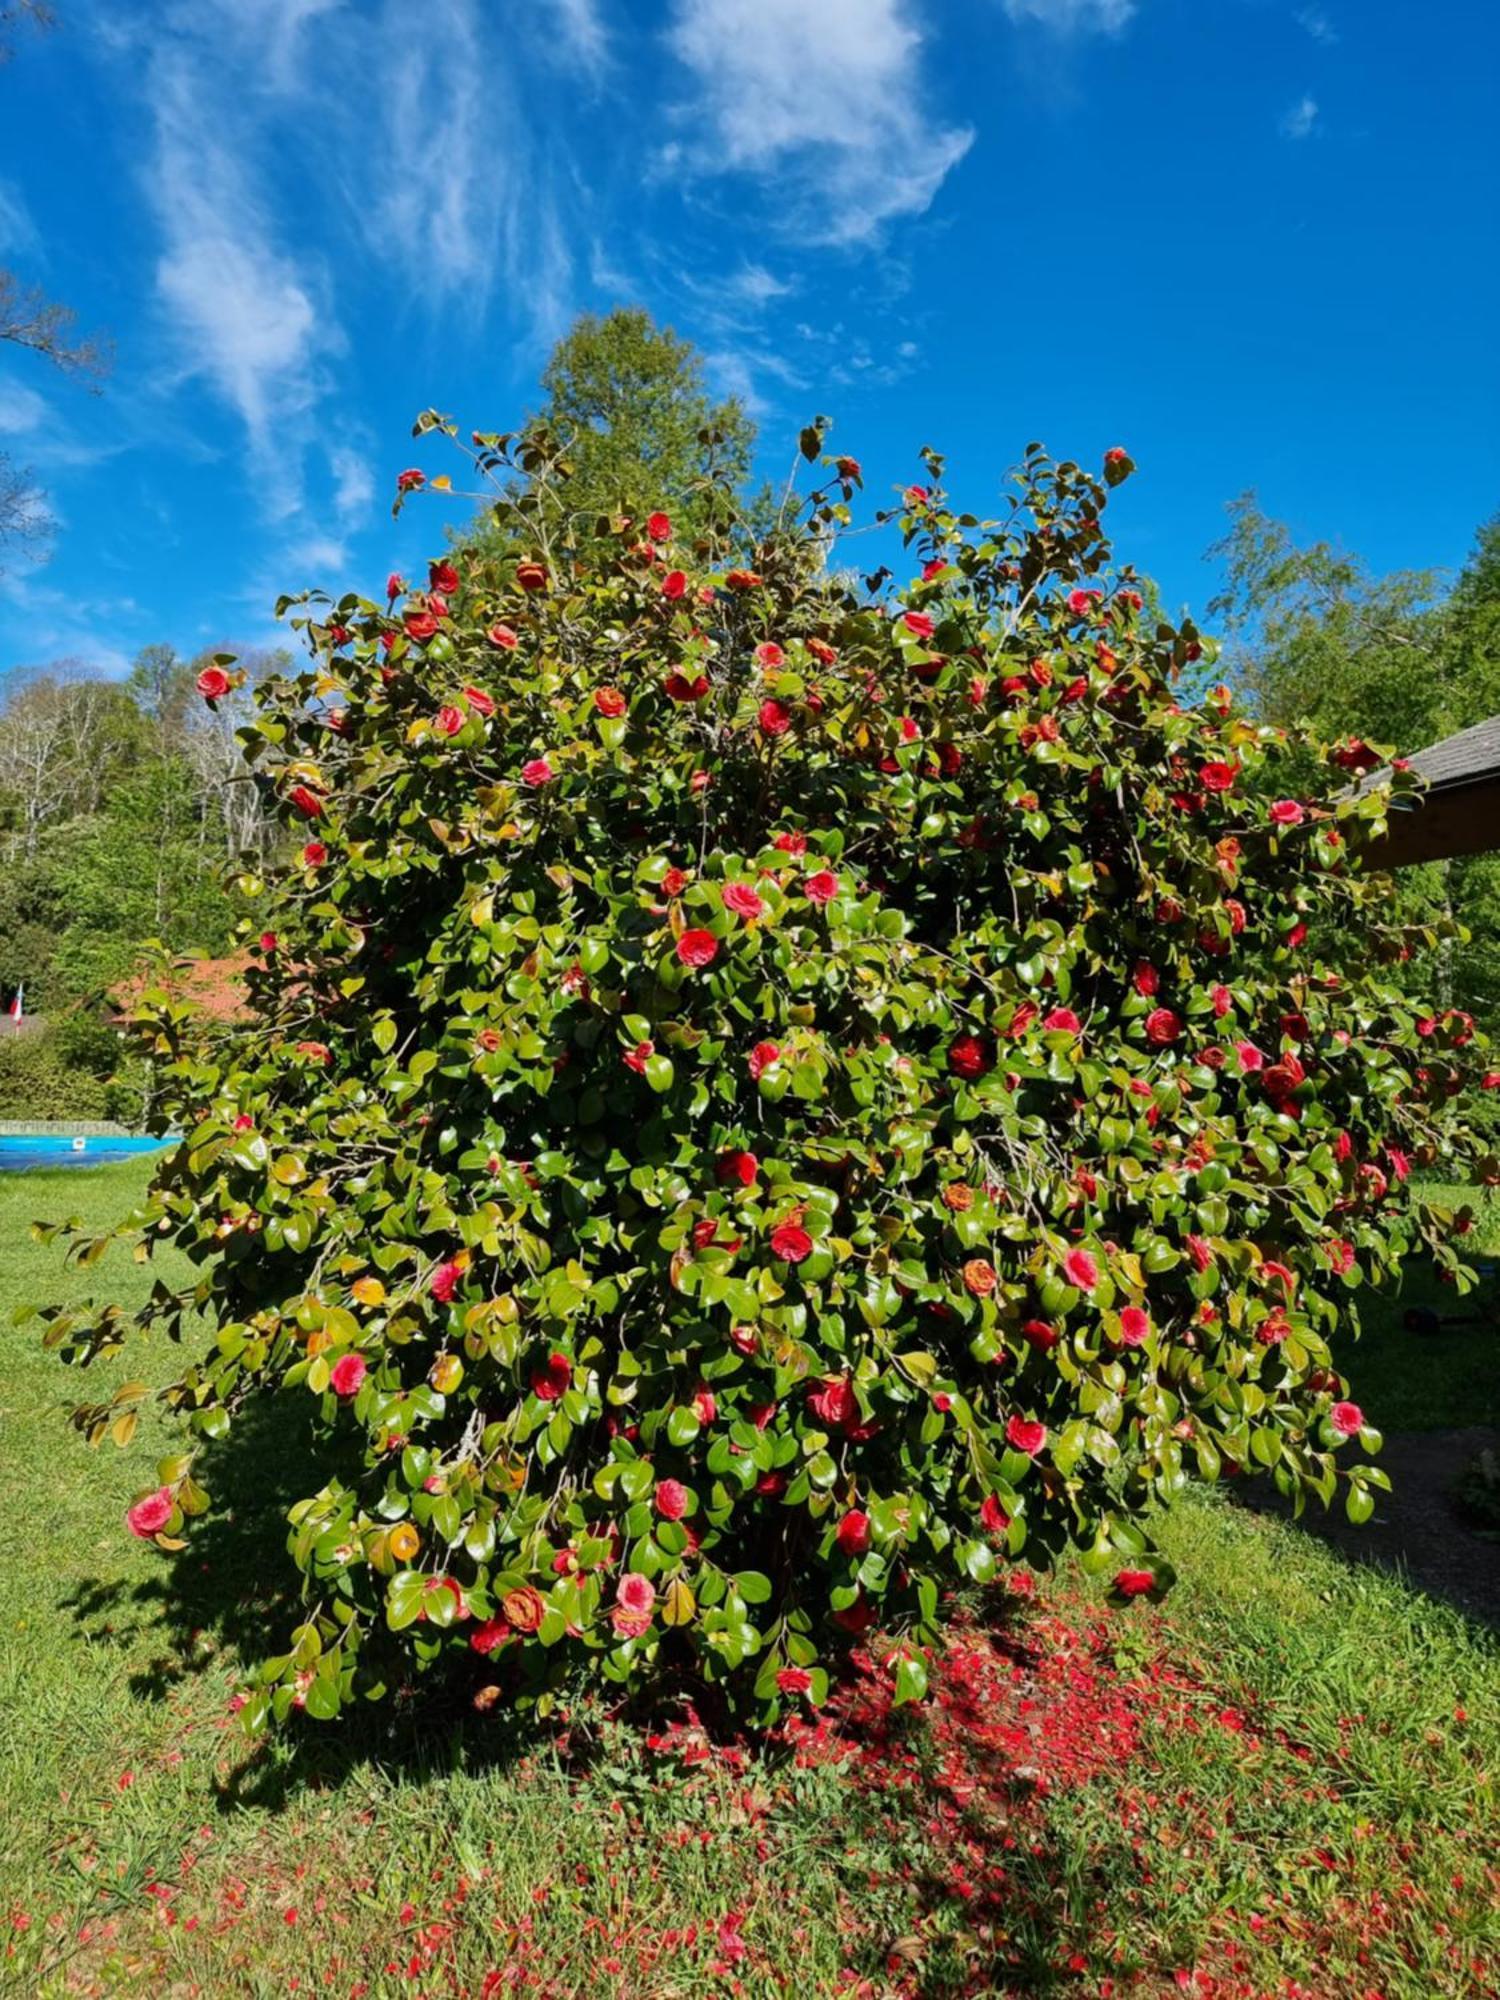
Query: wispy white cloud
x: 756, y: 285
x: 1072, y: 17
x: 21, y: 409
x: 1300, y: 122
x: 823, y: 97
x: 1318, y: 25
x: 18, y: 233
x: 354, y: 483
x: 584, y: 38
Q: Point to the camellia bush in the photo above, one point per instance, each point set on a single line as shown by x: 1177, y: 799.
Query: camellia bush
x: 769, y: 1095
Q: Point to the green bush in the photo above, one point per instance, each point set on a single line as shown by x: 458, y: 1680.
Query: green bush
x: 38, y: 1080
x: 767, y: 1098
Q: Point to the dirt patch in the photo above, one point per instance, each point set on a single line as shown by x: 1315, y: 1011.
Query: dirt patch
x: 1416, y: 1528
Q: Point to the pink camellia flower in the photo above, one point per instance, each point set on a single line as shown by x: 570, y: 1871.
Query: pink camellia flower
x: 794, y: 1680
x: 697, y: 948
x: 673, y: 585
x: 244, y: 1123
x: 314, y: 854
x: 503, y: 637
x: 705, y: 1406
x: 1201, y: 1252
x: 790, y: 1242
x: 918, y: 624
x: 537, y: 771
x: 822, y: 887
x: 775, y: 718
x: 1134, y: 1326
x: 552, y: 1379
x: 444, y: 1281
x: 1348, y: 1419
x: 212, y: 683
x: 449, y: 720
x: 853, y: 1532
x: 149, y: 1516
x: 1287, y: 812
x: 1222, y: 1000
x: 761, y: 1058
x: 743, y: 900
x: 1162, y: 1026
x: 992, y: 1516
x: 968, y: 1057
x: 1082, y: 602
x: 1400, y: 1162
x: 479, y: 701
x: 1251, y: 1058
x: 347, y: 1374
x: 769, y: 655
x: 790, y: 843
x: 1134, y: 1582
x: 671, y: 1499
x: 1081, y: 1268
x: 737, y: 1166
x: 1062, y: 1020
x: 635, y: 1600
x: 659, y: 527
x: 1340, y: 1255
x: 1022, y: 1434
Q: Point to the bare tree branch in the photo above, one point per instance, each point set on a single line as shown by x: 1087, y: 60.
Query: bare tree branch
x: 24, y: 519
x: 19, y: 13
x: 32, y: 320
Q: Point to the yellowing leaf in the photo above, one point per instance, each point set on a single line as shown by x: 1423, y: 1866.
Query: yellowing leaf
x: 679, y: 1606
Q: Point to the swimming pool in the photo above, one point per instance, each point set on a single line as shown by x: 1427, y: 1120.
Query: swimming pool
x: 51, y: 1149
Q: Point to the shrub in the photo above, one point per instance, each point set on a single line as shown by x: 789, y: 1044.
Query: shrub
x: 38, y: 1079
x: 769, y: 1097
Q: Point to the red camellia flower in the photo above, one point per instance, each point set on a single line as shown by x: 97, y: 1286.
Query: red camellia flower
x: 479, y: 701
x: 395, y: 584
x: 638, y: 1057
x: 680, y: 688
x: 531, y: 575
x: 794, y: 1680
x: 523, y: 1610
x: 1287, y: 812
x: 554, y: 1378
x: 671, y: 1499
x: 775, y: 718
x: 918, y: 624
x: 1134, y: 1582
x: 821, y: 651
x: 790, y: 1242
x: 409, y: 481
x: 347, y: 1374
x: 307, y: 802
x: 1024, y: 1435
x: 833, y: 1402
x: 448, y: 721
x: 1135, y: 1325
x: 769, y: 655
x: 743, y: 900
x: 1340, y: 1255
x: 673, y: 585
x: 503, y: 637
x: 853, y: 1532
x: 212, y: 683
x: 490, y: 1636
x: 1082, y: 602
x: 848, y: 468
x: 1039, y: 1335
x: 993, y: 1517
x: 1250, y: 1057
x: 1162, y: 1026
x: 445, y: 1280
x: 761, y: 1058
x: 1201, y: 1252
x: 659, y: 527
x: 1145, y: 979
x: 1217, y: 777
x: 968, y: 1057
x: 737, y: 1166
x: 697, y: 948
x: 149, y: 1516
x: 442, y: 577
x: 537, y: 771
x: 1222, y: 1000
x: 420, y: 625
x: 743, y: 579
x: 1062, y: 1020
x: 822, y: 887
x: 1080, y: 1268
x: 1348, y: 1419
x: 609, y: 701
x: 674, y: 882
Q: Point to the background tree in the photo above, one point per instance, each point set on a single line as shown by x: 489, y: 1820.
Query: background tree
x: 1402, y: 660
x: 628, y: 407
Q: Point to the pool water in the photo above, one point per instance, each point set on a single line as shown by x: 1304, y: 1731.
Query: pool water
x: 19, y: 1155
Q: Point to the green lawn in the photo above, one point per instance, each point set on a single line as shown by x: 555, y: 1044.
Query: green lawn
x: 1281, y: 1783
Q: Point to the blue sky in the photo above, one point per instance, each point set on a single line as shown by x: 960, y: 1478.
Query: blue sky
x: 1253, y: 240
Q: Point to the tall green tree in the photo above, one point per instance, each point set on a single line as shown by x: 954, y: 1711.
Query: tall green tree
x: 629, y: 410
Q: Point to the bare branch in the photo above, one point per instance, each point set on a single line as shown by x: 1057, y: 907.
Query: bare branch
x: 30, y: 319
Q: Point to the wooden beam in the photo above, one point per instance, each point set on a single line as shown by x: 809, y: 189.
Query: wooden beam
x: 1439, y: 825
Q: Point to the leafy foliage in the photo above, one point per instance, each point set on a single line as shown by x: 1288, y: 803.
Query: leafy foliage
x: 768, y: 1098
